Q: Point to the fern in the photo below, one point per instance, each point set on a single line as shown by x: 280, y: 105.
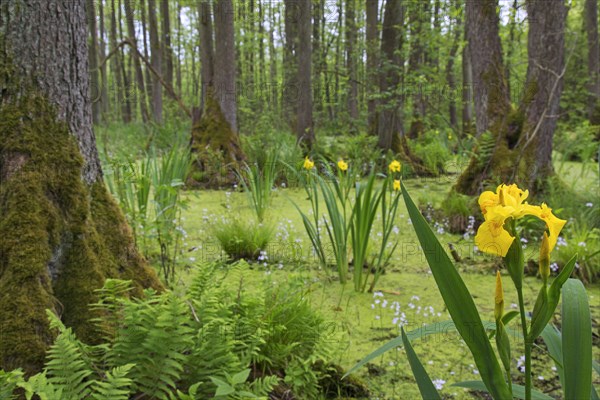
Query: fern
x: 485, y: 147
x: 67, y: 366
x: 41, y: 386
x: 156, y: 337
x: 9, y: 381
x: 115, y: 386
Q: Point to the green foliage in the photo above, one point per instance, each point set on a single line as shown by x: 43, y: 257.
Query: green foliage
x: 215, y: 341
x: 582, y: 240
x: 242, y: 239
x: 426, y: 387
x: 149, y: 192
x: 349, y: 221
x: 432, y: 149
x: 265, y: 147
x: 577, y: 144
x: 258, y: 184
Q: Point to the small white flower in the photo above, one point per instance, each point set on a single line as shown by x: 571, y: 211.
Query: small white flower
x: 589, y: 204
x: 581, y: 244
x: 438, y: 383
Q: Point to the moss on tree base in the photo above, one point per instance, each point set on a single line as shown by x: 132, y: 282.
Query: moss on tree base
x: 215, y: 146
x: 59, y: 237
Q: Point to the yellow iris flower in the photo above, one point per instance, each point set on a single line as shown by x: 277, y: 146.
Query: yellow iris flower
x: 491, y: 236
x: 342, y: 165
x: 395, y: 166
x: 396, y: 185
x: 508, y: 202
x: 308, y: 164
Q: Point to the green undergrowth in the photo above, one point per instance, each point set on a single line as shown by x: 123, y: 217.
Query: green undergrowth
x: 361, y: 322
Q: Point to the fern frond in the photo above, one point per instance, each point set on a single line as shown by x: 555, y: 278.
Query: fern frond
x: 115, y: 386
x: 67, y: 365
x: 9, y: 381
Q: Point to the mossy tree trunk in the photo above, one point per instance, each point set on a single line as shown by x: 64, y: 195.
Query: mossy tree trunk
x: 61, y: 232
x: 515, y: 144
x: 215, y: 136
x: 389, y: 119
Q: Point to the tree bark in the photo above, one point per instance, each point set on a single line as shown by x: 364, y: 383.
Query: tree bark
x: 129, y: 97
x: 104, y: 98
x: 418, y: 64
x: 214, y: 126
x: 467, y: 92
x: 62, y: 233
x: 289, y: 100
x: 224, y: 62
x: 156, y: 61
x: 518, y: 144
x: 139, y: 74
x: 93, y: 63
x: 116, y: 64
x: 450, y: 76
x: 390, y: 118
x: 544, y: 84
x: 167, y: 56
x: 591, y: 28
x: 304, y: 128
x: 351, y: 61
x: 372, y: 44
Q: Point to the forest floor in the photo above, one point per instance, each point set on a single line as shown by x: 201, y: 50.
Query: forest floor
x: 362, y: 322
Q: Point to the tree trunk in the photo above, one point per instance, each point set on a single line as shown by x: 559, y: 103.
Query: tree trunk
x: 467, y: 92
x: 214, y: 126
x: 178, y: 82
x: 318, y: 41
x: 351, y: 61
x: 156, y: 61
x: 139, y: 74
x: 62, y: 233
x: 167, y: 55
x: 93, y: 63
x: 372, y: 44
x: 289, y: 100
x: 511, y: 44
x: 224, y: 72
x: 418, y: 63
x: 147, y: 77
x: 390, y: 117
x: 450, y: 76
x: 518, y: 146
x: 544, y: 84
x: 128, y: 93
x: 304, y: 125
x: 105, y: 99
x: 591, y: 28
x: 116, y: 64
x: 272, y: 84
x: 206, y: 50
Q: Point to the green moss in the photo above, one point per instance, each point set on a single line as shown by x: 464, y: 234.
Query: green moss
x: 215, y: 144
x: 60, y: 238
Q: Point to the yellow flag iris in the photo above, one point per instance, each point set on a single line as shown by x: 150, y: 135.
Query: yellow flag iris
x: 396, y: 185
x: 342, y: 165
x: 395, y: 166
x: 308, y: 164
x: 508, y: 202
